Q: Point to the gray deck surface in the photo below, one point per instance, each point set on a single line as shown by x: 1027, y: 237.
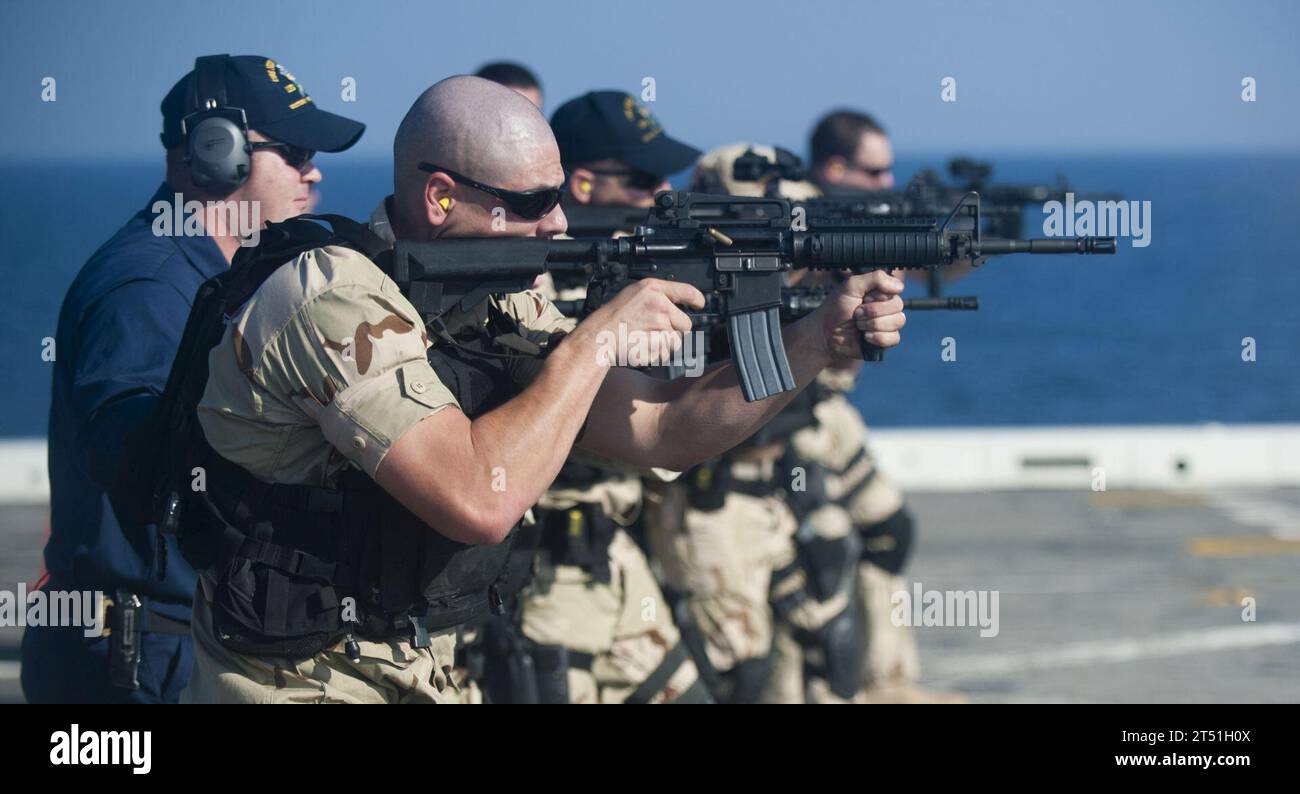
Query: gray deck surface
x: 1121, y: 596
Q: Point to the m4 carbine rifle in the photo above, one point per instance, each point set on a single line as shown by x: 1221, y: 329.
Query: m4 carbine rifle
x: 586, y: 220
x: 926, y: 195
x: 727, y: 248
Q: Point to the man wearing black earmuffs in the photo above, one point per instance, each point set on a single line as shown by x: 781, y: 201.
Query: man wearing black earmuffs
x: 240, y: 134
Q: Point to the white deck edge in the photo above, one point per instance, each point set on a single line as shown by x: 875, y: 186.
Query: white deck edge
x: 1067, y: 457
x: 1075, y: 457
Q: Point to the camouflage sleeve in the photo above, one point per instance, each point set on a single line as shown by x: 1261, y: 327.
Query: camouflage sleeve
x: 538, y: 319
x: 545, y: 286
x: 352, y: 357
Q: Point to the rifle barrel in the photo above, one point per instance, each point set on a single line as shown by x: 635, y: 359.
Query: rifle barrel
x: 1069, y: 245
x: 968, y: 303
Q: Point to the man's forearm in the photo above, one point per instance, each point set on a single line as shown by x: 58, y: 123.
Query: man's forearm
x: 529, y: 437
x: 710, y: 415
x: 472, y: 479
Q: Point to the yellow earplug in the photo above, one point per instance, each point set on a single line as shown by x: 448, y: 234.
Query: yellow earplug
x: 445, y: 203
x: 584, y: 186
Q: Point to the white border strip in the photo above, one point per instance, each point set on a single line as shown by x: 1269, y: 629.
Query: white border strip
x: 979, y: 458
x: 1070, y: 457
x: 23, y: 475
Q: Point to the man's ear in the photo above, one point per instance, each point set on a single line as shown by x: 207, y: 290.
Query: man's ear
x: 580, y: 180
x: 438, y: 200
x: 836, y: 166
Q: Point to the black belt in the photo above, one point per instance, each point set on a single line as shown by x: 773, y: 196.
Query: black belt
x: 149, y: 622
x: 161, y: 624
x: 855, y: 460
x: 866, y: 478
x: 754, y: 488
x: 125, y: 621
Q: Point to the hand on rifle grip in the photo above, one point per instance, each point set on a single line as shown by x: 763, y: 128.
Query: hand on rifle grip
x: 870, y: 352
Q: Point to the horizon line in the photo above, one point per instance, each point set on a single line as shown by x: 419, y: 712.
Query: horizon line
x: 902, y: 154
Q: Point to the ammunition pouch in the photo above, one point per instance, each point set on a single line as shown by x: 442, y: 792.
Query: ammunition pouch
x: 579, y: 536
x: 708, y: 483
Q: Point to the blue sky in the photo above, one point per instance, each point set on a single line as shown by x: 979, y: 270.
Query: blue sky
x: 1100, y: 77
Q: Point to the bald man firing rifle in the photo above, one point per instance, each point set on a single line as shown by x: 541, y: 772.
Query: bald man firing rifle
x: 364, y: 475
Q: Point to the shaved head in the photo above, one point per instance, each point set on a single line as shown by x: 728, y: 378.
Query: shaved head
x: 484, y: 130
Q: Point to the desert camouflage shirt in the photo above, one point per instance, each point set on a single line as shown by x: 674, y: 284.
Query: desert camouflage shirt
x: 327, y: 364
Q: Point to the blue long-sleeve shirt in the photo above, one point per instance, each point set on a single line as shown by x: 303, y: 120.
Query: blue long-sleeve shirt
x: 119, y: 328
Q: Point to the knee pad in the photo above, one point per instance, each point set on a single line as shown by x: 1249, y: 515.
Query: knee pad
x: 842, y: 645
x: 829, y: 564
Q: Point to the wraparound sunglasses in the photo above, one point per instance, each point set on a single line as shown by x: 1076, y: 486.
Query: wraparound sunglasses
x: 530, y: 205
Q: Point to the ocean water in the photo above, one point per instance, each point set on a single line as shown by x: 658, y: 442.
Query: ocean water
x: 1149, y: 335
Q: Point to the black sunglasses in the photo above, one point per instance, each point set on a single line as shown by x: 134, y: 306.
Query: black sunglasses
x: 532, y: 205
x: 874, y: 173
x: 635, y: 178
x: 295, y: 156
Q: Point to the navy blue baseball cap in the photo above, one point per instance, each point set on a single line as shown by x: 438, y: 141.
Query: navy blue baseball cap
x: 603, y: 125
x: 273, y: 101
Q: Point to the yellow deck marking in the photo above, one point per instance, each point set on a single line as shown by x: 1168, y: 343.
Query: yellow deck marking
x: 1144, y: 500
x: 1243, y: 546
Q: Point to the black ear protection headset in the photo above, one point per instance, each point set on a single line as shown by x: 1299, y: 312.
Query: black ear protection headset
x: 215, y: 134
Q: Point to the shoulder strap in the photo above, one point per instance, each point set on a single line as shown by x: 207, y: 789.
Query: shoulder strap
x: 358, y: 235
x: 284, y: 241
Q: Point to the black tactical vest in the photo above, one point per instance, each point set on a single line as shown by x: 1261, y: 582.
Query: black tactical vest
x: 298, y: 567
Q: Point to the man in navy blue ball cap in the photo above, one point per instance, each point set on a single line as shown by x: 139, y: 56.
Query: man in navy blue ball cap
x: 241, y: 134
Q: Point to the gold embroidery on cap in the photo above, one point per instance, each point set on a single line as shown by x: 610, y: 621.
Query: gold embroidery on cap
x: 640, y: 115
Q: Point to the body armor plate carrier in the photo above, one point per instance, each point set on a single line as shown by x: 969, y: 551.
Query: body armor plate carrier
x: 299, y: 567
